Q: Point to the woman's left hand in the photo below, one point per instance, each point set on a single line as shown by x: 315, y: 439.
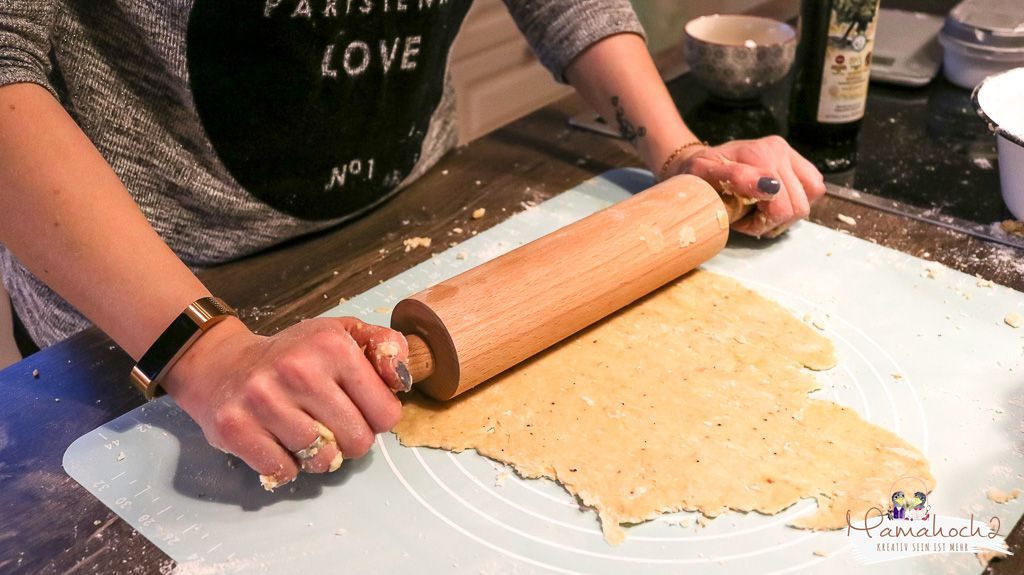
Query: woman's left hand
x: 768, y: 170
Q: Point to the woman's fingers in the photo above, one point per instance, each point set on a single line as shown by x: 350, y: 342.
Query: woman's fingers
x: 327, y: 460
x: 303, y: 399
x: 386, y: 349
x: 765, y: 218
x: 773, y: 218
x: 360, y: 382
x: 778, y: 231
x: 768, y: 170
x: 339, y: 413
x: 735, y: 178
x: 796, y: 193
x: 811, y: 179
x: 312, y: 444
x: 241, y: 435
x: 761, y: 184
x: 322, y: 453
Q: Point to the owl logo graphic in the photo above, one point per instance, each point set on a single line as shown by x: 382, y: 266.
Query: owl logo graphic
x: 909, y: 508
x: 897, y: 510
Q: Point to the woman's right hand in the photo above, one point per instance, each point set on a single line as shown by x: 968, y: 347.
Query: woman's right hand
x: 257, y: 397
x: 264, y: 399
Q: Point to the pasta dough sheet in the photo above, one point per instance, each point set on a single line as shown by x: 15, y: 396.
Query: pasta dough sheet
x: 694, y: 398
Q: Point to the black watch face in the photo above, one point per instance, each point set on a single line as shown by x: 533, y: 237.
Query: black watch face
x: 176, y: 337
x: 319, y: 107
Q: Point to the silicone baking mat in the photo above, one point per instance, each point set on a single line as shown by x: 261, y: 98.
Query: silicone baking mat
x: 923, y: 351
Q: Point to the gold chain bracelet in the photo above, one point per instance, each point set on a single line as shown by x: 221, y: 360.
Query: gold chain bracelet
x: 674, y: 155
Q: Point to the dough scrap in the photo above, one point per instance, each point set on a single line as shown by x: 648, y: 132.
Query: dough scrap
x: 687, y: 236
x: 416, y: 242
x: 651, y: 237
x: 694, y: 398
x: 1000, y: 496
x: 723, y: 218
x: 1014, y: 319
x: 1012, y: 227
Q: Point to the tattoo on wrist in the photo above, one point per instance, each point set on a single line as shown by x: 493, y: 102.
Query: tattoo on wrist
x: 627, y: 130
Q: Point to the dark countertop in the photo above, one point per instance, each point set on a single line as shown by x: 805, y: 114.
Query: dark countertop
x: 53, y: 525
x: 925, y: 147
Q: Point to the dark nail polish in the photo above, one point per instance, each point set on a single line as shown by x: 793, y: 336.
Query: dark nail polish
x: 768, y: 185
x: 404, y: 376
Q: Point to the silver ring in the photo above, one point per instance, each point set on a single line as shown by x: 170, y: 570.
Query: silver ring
x: 311, y: 451
x: 323, y: 437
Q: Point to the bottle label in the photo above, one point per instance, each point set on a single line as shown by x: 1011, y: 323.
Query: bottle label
x: 844, y: 81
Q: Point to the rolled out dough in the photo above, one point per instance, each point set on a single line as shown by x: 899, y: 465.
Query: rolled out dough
x: 694, y: 398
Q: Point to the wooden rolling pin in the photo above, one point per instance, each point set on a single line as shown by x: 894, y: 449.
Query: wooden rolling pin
x: 472, y: 327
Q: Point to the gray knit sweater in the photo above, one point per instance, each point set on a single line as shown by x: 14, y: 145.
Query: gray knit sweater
x: 238, y: 124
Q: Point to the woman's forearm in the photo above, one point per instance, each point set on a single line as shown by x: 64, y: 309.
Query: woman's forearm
x: 67, y: 217
x: 65, y: 214
x: 617, y: 77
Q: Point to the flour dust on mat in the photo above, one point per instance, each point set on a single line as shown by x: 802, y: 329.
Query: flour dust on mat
x: 694, y: 398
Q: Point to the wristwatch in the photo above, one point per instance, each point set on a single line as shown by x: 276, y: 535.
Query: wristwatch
x: 200, y: 316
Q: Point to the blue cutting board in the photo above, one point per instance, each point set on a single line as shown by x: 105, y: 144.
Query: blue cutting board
x: 927, y: 357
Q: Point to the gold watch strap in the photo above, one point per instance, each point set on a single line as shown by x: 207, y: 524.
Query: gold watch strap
x: 200, y: 316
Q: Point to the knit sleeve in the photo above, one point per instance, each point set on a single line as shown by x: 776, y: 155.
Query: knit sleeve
x: 558, y: 30
x: 25, y: 42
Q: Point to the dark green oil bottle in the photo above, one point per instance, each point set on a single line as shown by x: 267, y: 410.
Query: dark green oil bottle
x: 830, y: 81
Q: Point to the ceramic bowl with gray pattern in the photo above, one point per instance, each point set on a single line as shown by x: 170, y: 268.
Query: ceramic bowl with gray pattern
x: 737, y: 57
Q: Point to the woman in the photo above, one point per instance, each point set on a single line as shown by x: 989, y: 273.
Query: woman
x: 147, y: 139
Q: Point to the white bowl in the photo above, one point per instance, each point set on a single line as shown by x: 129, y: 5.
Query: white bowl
x: 966, y: 65
x: 981, y: 38
x: 999, y: 100
x: 738, y: 57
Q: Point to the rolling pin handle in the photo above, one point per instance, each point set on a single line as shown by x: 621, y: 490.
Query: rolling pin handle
x: 736, y: 207
x: 421, y: 359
